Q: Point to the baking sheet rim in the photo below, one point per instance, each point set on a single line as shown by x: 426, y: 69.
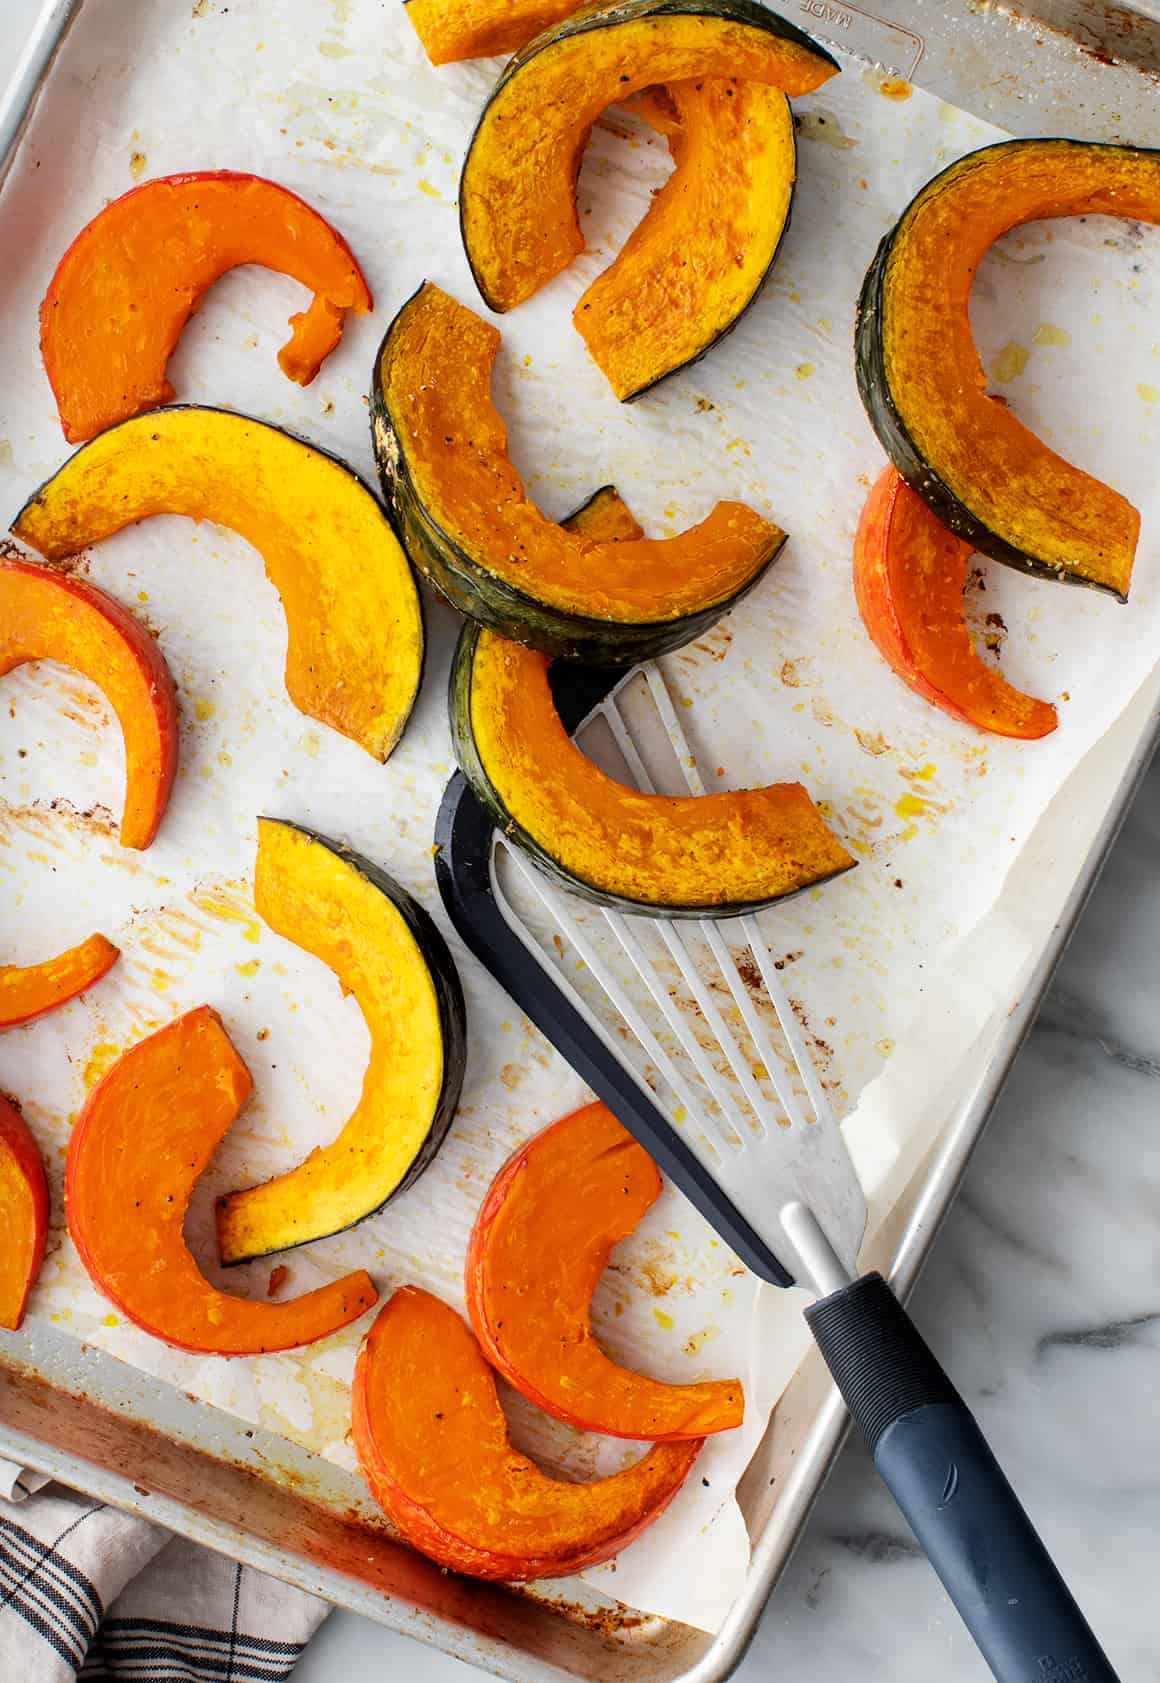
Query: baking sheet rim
x: 824, y: 1440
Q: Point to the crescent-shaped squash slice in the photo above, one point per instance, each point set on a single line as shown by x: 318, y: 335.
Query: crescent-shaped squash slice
x: 146, y: 1133
x: 45, y: 615
x: 909, y: 575
x: 354, y: 653
x: 31, y: 990
x: 983, y: 473
x: 386, y: 951
x: 470, y: 526
x: 540, y: 1243
x: 134, y: 275
x: 662, y: 855
x: 433, y: 1444
x: 517, y: 195
x: 697, y: 260
x: 23, y: 1214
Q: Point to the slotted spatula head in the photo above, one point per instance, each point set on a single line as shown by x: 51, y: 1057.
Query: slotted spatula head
x: 711, y: 1073
x: 685, y: 1030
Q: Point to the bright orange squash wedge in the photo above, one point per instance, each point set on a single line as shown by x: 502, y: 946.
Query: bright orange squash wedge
x: 48, y: 615
x: 146, y: 1133
x: 135, y: 274
x: 23, y: 1214
x: 909, y: 575
x: 540, y: 1243
x: 28, y: 991
x: 433, y: 1444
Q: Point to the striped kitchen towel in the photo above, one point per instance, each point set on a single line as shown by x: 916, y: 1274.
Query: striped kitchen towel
x: 90, y: 1593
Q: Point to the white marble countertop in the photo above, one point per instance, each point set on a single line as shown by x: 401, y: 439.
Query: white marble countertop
x: 1042, y: 1296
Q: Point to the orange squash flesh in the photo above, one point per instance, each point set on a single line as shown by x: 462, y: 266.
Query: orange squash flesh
x: 737, y: 848
x: 45, y: 615
x: 435, y: 376
x: 1031, y: 502
x: 134, y: 275
x: 433, y: 1445
x: 540, y: 1243
x: 451, y: 30
x: 701, y: 252
x: 354, y: 651
x: 518, y: 190
x: 23, y: 1214
x: 605, y: 518
x: 656, y: 107
x: 30, y: 990
x: 909, y: 574
x: 146, y: 1133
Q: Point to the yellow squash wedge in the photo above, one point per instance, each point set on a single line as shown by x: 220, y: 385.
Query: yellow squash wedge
x: 386, y: 951
x: 471, y: 527
x: 354, y: 653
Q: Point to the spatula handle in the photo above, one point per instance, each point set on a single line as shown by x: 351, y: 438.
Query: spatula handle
x: 936, y: 1462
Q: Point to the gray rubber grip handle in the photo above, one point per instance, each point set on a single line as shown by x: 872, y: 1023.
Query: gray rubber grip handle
x: 930, y: 1452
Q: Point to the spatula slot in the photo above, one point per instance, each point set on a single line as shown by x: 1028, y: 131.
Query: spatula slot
x: 701, y: 1018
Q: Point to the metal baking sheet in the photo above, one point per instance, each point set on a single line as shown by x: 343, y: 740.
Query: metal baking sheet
x: 102, y: 1427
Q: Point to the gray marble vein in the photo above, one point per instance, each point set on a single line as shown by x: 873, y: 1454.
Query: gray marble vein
x: 1114, y: 1336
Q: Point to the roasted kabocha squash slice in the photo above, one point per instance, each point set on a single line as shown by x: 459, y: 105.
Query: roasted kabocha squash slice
x: 697, y: 260
x: 134, y: 275
x: 980, y: 469
x: 470, y: 526
x: 433, y: 1444
x: 147, y: 1131
x: 385, y: 950
x: 540, y: 1243
x: 46, y: 615
x: 517, y: 195
x: 665, y: 856
x: 23, y: 1214
x: 909, y: 575
x: 354, y: 653
x: 28, y: 991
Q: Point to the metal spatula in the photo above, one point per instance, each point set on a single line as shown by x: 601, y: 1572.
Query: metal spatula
x: 668, y: 1025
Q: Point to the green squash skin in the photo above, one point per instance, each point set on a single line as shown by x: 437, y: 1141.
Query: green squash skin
x: 491, y: 601
x: 608, y: 17
x: 473, y: 769
x: 891, y: 430
x: 452, y: 1024
x: 308, y: 444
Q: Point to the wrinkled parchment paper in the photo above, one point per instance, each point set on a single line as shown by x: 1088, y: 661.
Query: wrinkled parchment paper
x: 334, y: 99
